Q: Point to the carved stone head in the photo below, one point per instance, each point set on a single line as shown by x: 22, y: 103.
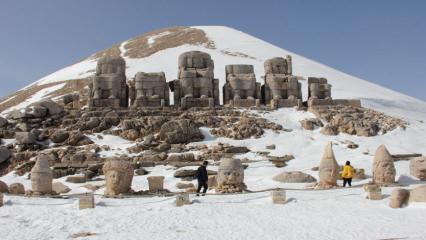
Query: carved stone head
x: 118, y: 176
x: 230, y: 177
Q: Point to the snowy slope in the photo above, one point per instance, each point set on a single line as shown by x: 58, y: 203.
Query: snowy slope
x: 235, y: 47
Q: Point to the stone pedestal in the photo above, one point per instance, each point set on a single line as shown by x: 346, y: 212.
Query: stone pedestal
x: 182, y: 199
x: 156, y: 183
x: 86, y: 201
x: 374, y: 192
x: 278, y: 197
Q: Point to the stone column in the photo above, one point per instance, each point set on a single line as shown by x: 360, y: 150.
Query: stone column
x: 156, y: 183
x: 41, y: 176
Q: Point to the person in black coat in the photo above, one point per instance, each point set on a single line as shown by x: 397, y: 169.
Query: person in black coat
x: 202, y: 178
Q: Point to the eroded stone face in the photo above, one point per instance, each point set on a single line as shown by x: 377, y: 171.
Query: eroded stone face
x: 109, y: 87
x: 118, y: 175
x: 230, y: 177
x: 418, y: 168
x: 383, y: 167
x: 328, y: 168
x: 240, y: 83
x: 41, y: 176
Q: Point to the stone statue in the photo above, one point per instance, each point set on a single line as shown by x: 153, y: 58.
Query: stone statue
x: 149, y: 90
x: 418, y: 168
x: 41, y: 176
x: 328, y: 168
x: 319, y: 92
x: 281, y: 89
x: 241, y: 88
x: 383, y: 167
x: 109, y: 87
x: 230, y: 177
x: 196, y: 85
x: 118, y: 175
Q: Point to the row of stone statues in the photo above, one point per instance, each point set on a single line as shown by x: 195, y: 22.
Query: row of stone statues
x: 197, y: 87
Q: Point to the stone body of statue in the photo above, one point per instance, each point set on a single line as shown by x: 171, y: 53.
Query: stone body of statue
x: 41, y: 176
x: 384, y: 171
x: 196, y: 85
x: 281, y: 88
x: 328, y: 169
x: 230, y: 177
x: 319, y: 92
x: 241, y: 88
x: 149, y: 90
x: 109, y: 87
x: 118, y: 176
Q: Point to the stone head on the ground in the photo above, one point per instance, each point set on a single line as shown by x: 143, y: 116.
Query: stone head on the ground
x: 328, y: 168
x: 230, y: 177
x: 118, y: 175
x: 383, y: 167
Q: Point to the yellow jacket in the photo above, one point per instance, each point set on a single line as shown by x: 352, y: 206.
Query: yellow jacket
x: 348, y: 171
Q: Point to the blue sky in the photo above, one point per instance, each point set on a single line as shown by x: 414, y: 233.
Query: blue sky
x: 380, y: 41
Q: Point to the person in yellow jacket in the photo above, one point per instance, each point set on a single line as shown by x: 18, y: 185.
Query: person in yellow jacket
x: 347, y: 174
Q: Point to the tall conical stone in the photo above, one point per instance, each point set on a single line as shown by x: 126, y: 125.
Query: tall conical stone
x: 328, y: 168
x: 41, y: 176
x: 383, y: 167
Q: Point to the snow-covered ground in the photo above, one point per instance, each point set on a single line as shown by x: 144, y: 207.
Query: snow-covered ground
x: 331, y: 214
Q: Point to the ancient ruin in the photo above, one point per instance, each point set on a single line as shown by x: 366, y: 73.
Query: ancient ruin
x: 230, y: 176
x: 182, y: 199
x: 281, y: 88
x: 156, y: 183
x: 328, y: 168
x: 399, y: 198
x: 196, y: 85
x: 278, y: 197
x: 319, y: 92
x: 149, y: 90
x: 86, y: 201
x: 41, y: 176
x: 241, y: 88
x: 373, y: 191
x: 383, y: 167
x: 109, y: 85
x: 118, y: 175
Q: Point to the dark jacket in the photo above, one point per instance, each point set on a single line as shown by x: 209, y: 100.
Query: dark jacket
x: 202, y: 175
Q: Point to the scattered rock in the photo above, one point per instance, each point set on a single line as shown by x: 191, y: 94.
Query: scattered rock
x: 4, y: 154
x: 59, y: 136
x: 184, y: 185
x: 60, y: 188
x: 270, y: 146
x: 76, y: 179
x: 294, y: 177
x: 399, y: 198
x: 311, y: 123
x: 180, y: 131
x: 25, y: 138
x: 16, y: 189
x: 3, y: 187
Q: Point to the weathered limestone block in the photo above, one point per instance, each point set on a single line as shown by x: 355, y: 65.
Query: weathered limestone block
x: 182, y: 199
x: 180, y: 131
x: 278, y: 197
x: 230, y: 177
x: 383, y: 167
x: 328, y: 168
x: 156, y: 183
x: 86, y: 201
x: 319, y: 92
x: 149, y: 90
x: 60, y: 188
x: 374, y: 192
x: 399, y: 198
x: 418, y: 194
x: 418, y: 168
x: 241, y: 88
x: 196, y: 85
x: 41, y: 176
x: 109, y: 87
x: 281, y: 89
x: 119, y: 176
x: 16, y: 189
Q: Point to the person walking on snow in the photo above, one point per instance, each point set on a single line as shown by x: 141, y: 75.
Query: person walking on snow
x: 347, y: 174
x: 202, y: 178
